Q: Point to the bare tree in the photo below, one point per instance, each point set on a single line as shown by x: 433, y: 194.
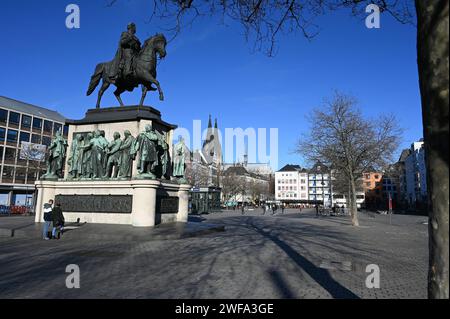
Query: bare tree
x: 341, y: 185
x: 263, y: 21
x: 197, y: 174
x: 230, y: 184
x: 341, y: 138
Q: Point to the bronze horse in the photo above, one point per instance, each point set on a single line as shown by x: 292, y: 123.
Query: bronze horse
x: 144, y: 72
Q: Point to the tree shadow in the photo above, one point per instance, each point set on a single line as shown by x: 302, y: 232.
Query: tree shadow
x: 321, y: 276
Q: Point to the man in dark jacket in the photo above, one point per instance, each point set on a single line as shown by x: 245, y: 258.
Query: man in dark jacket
x: 58, y: 220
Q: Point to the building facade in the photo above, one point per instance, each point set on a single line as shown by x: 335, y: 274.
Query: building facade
x: 415, y: 175
x: 291, y: 184
x: 372, y: 183
x: 25, y: 132
x: 319, y: 185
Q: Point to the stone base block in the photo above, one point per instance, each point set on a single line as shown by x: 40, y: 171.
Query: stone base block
x: 140, y: 203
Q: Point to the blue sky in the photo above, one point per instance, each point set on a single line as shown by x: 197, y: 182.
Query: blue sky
x: 210, y: 69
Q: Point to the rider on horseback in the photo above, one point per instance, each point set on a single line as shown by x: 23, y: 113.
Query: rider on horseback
x: 129, y: 47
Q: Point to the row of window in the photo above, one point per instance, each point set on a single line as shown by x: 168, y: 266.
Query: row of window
x: 18, y: 175
x: 290, y: 195
x: 291, y: 181
x: 290, y: 188
x: 27, y: 122
x: 14, y: 136
x: 11, y: 154
x: 292, y: 174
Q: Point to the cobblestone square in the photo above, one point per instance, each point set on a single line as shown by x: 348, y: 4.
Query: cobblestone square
x: 290, y: 255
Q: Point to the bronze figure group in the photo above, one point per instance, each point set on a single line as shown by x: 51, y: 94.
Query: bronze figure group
x: 91, y: 156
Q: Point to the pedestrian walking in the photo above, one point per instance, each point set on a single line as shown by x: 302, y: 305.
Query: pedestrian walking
x: 47, y: 219
x: 317, y: 210
x: 282, y: 208
x: 58, y: 221
x: 264, y: 209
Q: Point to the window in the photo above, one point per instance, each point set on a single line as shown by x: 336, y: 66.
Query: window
x: 36, y: 139
x: 31, y: 176
x: 24, y: 137
x: 37, y: 124
x: 3, y: 116
x: 2, y: 134
x: 57, y: 127
x: 14, y: 118
x: 46, y: 140
x: 26, y: 121
x: 1, y: 154
x: 8, y: 174
x: 66, y: 130
x: 377, y: 176
x: 12, y: 136
x: 21, y: 173
x: 48, y: 126
x: 368, y: 184
x: 367, y: 176
x: 10, y: 155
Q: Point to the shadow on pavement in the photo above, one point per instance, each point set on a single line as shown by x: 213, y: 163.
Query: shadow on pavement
x: 321, y: 276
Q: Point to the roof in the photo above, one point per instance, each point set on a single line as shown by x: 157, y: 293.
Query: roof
x: 290, y: 168
x: 237, y: 170
x: 319, y: 168
x: 405, y: 153
x: 31, y: 109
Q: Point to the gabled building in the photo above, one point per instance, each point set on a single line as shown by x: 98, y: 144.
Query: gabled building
x: 291, y: 184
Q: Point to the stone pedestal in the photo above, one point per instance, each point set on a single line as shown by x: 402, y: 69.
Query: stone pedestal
x: 137, y: 201
x: 140, y: 203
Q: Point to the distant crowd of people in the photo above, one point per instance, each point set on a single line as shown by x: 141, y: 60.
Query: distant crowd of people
x: 53, y: 218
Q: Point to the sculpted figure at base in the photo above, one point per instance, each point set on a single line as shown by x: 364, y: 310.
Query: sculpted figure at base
x: 126, y: 159
x: 55, y: 157
x: 145, y: 145
x: 114, y: 156
x: 179, y: 152
x: 164, y: 157
x: 96, y: 148
x: 76, y: 157
x: 86, y: 162
x: 104, y: 144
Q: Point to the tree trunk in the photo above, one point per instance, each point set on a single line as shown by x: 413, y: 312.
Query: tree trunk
x: 352, y: 199
x: 432, y: 49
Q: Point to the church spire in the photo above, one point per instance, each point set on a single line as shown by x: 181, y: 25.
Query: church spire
x: 215, y: 122
x: 209, y: 122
